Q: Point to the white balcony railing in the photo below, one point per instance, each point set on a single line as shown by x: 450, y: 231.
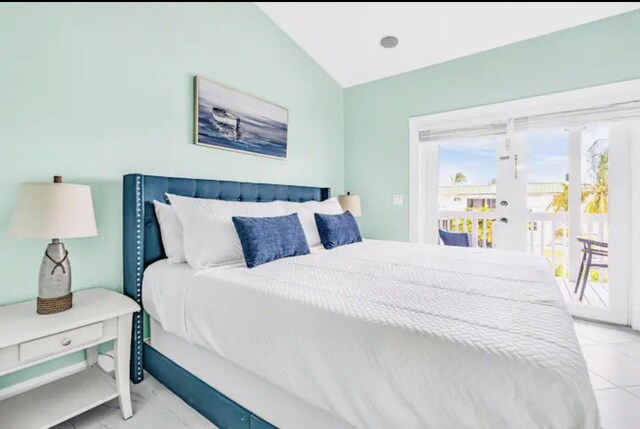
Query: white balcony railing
x: 547, y: 233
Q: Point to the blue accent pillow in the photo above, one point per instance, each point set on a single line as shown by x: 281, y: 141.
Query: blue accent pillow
x: 337, y: 230
x: 266, y: 239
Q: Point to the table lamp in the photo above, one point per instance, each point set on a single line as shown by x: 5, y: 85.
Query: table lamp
x: 54, y: 211
x: 350, y: 203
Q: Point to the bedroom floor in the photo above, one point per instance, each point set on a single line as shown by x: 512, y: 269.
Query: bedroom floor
x: 154, y: 407
x: 612, y: 355
x: 613, y: 358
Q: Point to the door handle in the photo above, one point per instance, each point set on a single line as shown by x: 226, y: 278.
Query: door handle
x: 504, y: 220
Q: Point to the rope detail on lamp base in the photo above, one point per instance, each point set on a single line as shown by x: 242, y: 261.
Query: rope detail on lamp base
x: 54, y: 305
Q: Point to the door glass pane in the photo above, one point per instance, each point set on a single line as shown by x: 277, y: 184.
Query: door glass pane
x: 548, y: 197
x: 549, y: 218
x: 547, y: 171
x: 467, y: 188
x: 594, y: 209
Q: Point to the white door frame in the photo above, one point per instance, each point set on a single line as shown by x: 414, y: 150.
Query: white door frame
x: 620, y: 210
x: 575, y: 198
x: 634, y: 236
x: 423, y: 213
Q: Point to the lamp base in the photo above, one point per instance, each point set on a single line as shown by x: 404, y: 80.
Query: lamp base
x: 54, y: 305
x: 54, y: 281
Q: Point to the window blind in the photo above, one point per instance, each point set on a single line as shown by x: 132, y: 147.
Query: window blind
x: 485, y: 130
x: 570, y: 118
x: 592, y: 115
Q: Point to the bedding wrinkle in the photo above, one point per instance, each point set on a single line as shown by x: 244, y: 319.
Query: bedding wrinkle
x: 345, y: 273
x: 471, y: 323
x: 396, y: 335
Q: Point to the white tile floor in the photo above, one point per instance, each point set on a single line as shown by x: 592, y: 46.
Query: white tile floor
x: 154, y: 407
x: 613, y: 358
x: 612, y: 355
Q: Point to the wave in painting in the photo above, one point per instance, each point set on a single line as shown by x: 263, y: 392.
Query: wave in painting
x: 221, y: 127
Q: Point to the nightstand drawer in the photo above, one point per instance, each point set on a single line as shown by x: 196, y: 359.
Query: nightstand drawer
x: 59, y: 342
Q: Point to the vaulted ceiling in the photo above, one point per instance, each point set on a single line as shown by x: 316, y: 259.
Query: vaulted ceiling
x: 344, y: 38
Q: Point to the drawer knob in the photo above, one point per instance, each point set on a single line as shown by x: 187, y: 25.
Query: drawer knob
x: 65, y: 341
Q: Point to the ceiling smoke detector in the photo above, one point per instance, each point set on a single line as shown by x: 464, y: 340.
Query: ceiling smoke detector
x: 389, y: 42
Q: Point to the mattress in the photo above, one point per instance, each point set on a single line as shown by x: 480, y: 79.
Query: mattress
x: 385, y: 334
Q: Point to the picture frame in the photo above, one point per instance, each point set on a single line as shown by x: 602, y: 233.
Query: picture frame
x: 229, y: 119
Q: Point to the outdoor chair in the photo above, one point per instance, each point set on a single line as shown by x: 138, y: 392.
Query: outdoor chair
x: 460, y: 239
x: 595, y: 254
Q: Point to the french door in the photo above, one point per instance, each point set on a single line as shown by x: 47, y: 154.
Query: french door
x: 559, y: 192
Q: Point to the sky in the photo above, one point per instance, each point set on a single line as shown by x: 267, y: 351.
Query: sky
x: 547, y: 157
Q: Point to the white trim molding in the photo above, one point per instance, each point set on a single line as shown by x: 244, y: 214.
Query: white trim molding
x: 634, y: 289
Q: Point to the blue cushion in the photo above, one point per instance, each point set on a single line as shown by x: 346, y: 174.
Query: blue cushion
x: 337, y: 230
x: 266, y: 239
x: 459, y: 239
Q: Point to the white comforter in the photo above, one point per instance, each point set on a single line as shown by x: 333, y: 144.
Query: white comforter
x: 397, y: 335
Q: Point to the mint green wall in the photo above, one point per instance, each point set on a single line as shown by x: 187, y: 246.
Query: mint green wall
x: 94, y: 91
x: 377, y: 113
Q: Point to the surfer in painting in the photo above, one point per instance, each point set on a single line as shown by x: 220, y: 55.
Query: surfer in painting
x: 226, y: 122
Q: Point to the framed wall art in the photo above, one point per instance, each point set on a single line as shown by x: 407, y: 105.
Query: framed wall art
x: 229, y: 119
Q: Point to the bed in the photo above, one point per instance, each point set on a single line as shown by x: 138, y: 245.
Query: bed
x: 369, y: 335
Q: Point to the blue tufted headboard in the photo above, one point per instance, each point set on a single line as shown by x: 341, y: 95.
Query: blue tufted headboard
x: 142, y: 244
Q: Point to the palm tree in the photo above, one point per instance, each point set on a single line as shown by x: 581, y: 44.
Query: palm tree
x: 459, y: 178
x: 560, y: 202
x: 597, y: 193
x: 599, y: 202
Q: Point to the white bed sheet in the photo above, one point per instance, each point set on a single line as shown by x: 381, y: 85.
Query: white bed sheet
x: 383, y: 334
x: 163, y: 290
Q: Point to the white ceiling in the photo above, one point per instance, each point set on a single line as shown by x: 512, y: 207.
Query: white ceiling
x: 344, y: 37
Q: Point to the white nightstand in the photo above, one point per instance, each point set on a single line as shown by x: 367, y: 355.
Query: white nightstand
x: 27, y: 339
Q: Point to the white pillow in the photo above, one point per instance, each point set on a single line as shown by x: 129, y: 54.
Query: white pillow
x: 306, y: 212
x: 171, y: 232
x: 210, y: 239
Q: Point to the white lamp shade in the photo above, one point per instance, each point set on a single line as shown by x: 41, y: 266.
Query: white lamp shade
x: 53, y: 210
x: 350, y: 203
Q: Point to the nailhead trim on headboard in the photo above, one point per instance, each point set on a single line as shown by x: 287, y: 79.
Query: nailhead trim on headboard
x: 138, y: 334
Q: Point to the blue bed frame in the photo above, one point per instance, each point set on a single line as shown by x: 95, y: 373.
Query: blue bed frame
x: 142, y: 246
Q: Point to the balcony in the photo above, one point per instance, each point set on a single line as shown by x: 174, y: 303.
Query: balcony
x: 595, y: 295
x: 547, y: 235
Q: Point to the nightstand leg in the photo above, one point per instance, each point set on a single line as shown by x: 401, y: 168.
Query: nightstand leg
x: 92, y: 356
x: 123, y: 353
